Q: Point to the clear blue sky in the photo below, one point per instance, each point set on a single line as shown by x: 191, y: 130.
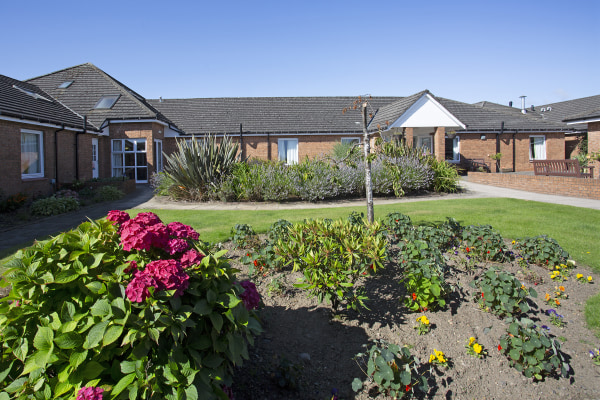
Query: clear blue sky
x: 464, y: 50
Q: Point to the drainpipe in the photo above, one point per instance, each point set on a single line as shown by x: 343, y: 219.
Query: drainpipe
x: 514, y: 151
x: 241, y: 144
x: 77, y: 147
x: 56, y: 185
x: 498, y: 145
x: 269, y: 146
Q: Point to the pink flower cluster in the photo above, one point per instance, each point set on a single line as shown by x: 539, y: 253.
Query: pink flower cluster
x: 146, y: 231
x: 250, y: 296
x: 160, y: 274
x: 90, y: 393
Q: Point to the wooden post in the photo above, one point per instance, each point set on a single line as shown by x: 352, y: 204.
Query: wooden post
x: 368, y: 183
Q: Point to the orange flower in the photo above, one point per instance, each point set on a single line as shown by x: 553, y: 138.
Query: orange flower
x: 414, y: 296
x: 561, y: 288
x: 468, y: 249
x: 557, y: 302
x: 547, y: 297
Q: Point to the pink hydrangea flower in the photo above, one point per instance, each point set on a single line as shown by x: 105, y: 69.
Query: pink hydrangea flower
x: 147, y: 219
x: 191, y: 257
x: 90, y: 393
x: 182, y: 231
x: 177, y: 246
x: 159, y: 235
x: 250, y: 296
x: 169, y: 275
x: 137, y: 290
x: 117, y: 217
x: 135, y: 236
x: 133, y: 266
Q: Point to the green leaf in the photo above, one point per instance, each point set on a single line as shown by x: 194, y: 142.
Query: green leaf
x: 101, y: 308
x: 217, y: 321
x: 95, y: 335
x: 128, y: 367
x: 212, y: 361
x: 122, y: 384
x: 43, y: 339
x: 112, y: 333
x: 191, y: 393
x: 357, y: 384
x: 514, y: 354
x: 77, y: 358
x: 4, y: 373
x: 68, y: 340
x: 405, y: 377
x: 202, y: 308
x: 15, y: 385
x: 66, y: 276
x: 92, y: 369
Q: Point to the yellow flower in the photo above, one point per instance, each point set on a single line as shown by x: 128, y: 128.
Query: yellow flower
x: 589, y: 278
x: 423, y: 319
x: 547, y: 297
x: 513, y: 242
x: 441, y: 358
x: 471, y: 340
x: 477, y: 347
x: 579, y: 276
x: 431, y: 358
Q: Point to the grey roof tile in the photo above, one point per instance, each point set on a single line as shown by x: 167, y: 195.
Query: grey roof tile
x: 91, y: 83
x: 41, y: 107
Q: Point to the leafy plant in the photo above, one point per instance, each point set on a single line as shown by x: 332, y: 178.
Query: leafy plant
x: 12, y: 202
x: 439, y: 358
x: 279, y: 230
x: 54, y: 206
x: 423, y: 325
x: 262, y: 261
x: 500, y: 293
x: 475, y: 349
x: 426, y: 289
x: 445, y: 175
x: 484, y: 242
x: 542, y: 250
x: 200, y: 164
x: 531, y: 351
x: 595, y: 356
x: 556, y: 319
x: 356, y: 218
x: 131, y: 307
x: 392, y: 369
x: 333, y: 255
x: 288, y: 374
x: 243, y: 235
x: 397, y: 225
x: 109, y: 193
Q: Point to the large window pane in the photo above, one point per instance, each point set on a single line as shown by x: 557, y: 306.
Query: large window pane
x: 31, y: 154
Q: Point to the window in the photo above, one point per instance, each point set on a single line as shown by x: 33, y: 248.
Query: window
x: 107, y: 101
x: 32, y: 158
x: 158, y: 155
x: 453, y: 149
x: 537, y: 147
x: 65, y: 84
x: 288, y: 150
x: 351, y: 140
x: 129, y: 159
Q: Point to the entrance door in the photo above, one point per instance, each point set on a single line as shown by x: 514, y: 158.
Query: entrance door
x: 94, y: 157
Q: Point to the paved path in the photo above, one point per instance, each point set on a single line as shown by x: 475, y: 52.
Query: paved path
x: 142, y: 199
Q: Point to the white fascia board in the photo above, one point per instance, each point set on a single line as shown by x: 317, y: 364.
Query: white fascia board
x: 427, y: 112
x: 353, y: 134
x: 29, y: 122
x: 583, y: 121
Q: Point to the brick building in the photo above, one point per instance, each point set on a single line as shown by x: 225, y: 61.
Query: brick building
x: 124, y: 134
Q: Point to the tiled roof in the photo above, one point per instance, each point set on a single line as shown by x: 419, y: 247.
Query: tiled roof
x: 25, y: 101
x: 389, y: 113
x: 89, y: 85
x: 584, y: 107
x: 266, y: 114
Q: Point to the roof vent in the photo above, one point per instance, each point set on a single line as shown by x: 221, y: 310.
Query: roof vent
x: 548, y: 108
x: 510, y: 103
x: 160, y: 100
x: 532, y: 108
x: 542, y: 109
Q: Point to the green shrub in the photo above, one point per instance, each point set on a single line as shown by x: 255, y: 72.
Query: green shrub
x: 500, y: 293
x: 12, y: 202
x: 243, y: 235
x: 279, y: 230
x: 541, y: 250
x: 137, y: 310
x: 332, y: 257
x: 393, y: 370
x: 199, y: 165
x: 445, y: 175
x: 425, y: 287
x: 397, y: 225
x: 531, y: 351
x: 54, y: 206
x: 161, y: 184
x: 109, y: 193
x: 484, y: 242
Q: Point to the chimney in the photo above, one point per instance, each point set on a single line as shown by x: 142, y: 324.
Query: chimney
x: 160, y: 99
x: 523, y: 110
x: 510, y: 103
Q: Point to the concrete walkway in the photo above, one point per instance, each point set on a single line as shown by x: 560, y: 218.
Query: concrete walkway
x: 142, y: 198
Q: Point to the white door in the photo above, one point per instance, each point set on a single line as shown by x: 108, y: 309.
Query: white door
x: 94, y: 157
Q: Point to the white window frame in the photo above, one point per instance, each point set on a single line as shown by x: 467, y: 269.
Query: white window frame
x: 350, y: 140
x: 455, y: 150
x: 40, y: 135
x: 283, y: 151
x: 158, y: 157
x: 543, y: 157
x: 123, y: 153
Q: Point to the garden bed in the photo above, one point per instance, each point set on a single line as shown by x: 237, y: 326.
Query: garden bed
x: 311, y: 352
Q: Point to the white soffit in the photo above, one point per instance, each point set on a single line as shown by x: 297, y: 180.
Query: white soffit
x: 427, y: 112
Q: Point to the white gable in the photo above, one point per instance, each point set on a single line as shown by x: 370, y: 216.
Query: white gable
x: 427, y: 112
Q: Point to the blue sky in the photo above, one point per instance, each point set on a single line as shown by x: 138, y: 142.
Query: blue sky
x: 464, y: 50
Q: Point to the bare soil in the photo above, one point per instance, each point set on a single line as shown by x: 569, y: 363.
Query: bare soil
x: 316, y: 348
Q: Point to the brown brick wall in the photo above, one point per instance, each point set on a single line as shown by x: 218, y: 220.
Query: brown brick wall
x: 472, y: 147
x: 594, y: 144
x: 10, y: 156
x: 558, y: 185
x: 136, y: 130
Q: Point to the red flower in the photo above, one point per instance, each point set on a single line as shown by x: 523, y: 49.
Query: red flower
x: 488, y: 252
x: 499, y: 347
x: 256, y: 263
x: 371, y: 266
x: 468, y: 249
x: 425, y: 309
x: 407, y: 388
x: 482, y: 295
x: 414, y: 296
x: 247, y: 254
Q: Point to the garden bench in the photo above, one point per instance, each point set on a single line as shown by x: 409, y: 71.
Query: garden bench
x: 475, y: 163
x: 562, y: 168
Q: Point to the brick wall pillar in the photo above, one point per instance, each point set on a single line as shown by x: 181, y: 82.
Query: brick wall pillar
x: 439, y: 143
x: 409, y: 137
x: 594, y: 145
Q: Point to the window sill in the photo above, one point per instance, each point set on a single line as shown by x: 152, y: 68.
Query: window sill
x: 33, y: 179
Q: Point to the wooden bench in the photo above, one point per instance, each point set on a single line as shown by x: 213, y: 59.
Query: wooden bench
x: 476, y: 163
x: 562, y: 168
